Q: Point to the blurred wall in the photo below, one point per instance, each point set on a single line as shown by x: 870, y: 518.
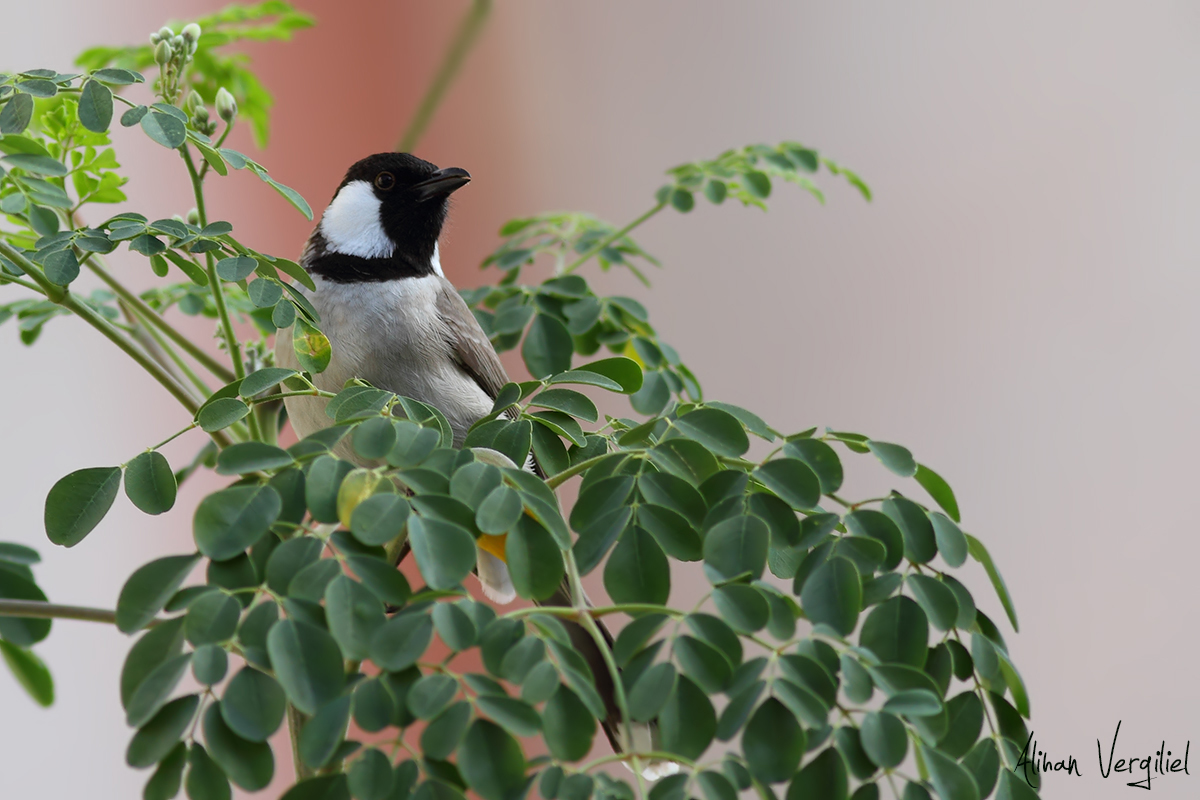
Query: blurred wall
x: 1016, y: 305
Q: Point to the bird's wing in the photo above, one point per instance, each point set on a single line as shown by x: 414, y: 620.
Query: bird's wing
x: 471, y: 348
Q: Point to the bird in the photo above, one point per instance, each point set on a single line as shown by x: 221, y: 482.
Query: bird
x: 394, y: 320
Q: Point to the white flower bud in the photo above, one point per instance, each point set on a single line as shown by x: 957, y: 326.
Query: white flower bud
x: 162, y: 53
x: 193, y: 217
x: 200, y: 115
x: 191, y: 32
x: 165, y: 33
x: 155, y: 38
x: 226, y: 106
x: 194, y: 101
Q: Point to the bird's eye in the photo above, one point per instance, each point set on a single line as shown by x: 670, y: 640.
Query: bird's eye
x: 385, y: 181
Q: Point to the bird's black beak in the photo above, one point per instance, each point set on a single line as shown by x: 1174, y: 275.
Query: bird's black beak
x: 442, y: 183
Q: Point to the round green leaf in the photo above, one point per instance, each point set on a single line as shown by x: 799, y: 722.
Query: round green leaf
x: 307, y: 664
x: 212, y: 618
x: 736, y: 546
x: 717, y: 430
x: 382, y: 579
x: 205, y: 778
x: 21, y: 631
x: 879, y: 526
x: 431, y: 694
x: 515, y: 716
x: 535, y: 563
x: 948, y: 778
x: 322, y: 734
x: 569, y: 726
x: 236, y: 268
x: 442, y: 735
x: 380, y: 518
x: 637, y: 570
x: 370, y: 776
x: 791, y: 480
x: 703, y: 663
x: 164, y: 129
x: 221, y: 413
x: 164, y: 783
x: 244, y: 457
x: 227, y: 522
x: 258, y: 382
x: 920, y: 545
x: 209, y: 664
x: 152, y: 693
x: 895, y: 457
x: 624, y: 371
x: 454, y: 626
x: 149, y: 588
x: 983, y: 762
x: 651, y: 691
x: 884, y: 739
x: 824, y: 777
x: 856, y: 681
x: 897, y: 632
x: 491, y: 761
x: 499, y: 511
x: 157, y: 646
x: 742, y: 606
x: 773, y: 742
x: 547, y: 348
x: 939, y: 490
x: 150, y: 483
x: 401, y: 641
x: 936, y: 598
x: 445, y: 553
x: 966, y: 721
x: 95, y: 106
x: 821, y: 459
x: 833, y: 595
x: 157, y: 737
x: 951, y: 542
x: 354, y: 614
x: 264, y: 294
x: 688, y: 722
x: 77, y: 503
x: 250, y: 765
x: 567, y: 401
x: 253, y: 705
x: 914, y: 703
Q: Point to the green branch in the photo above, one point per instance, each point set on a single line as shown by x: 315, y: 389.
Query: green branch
x: 36, y: 609
x: 606, y: 241
x: 468, y: 31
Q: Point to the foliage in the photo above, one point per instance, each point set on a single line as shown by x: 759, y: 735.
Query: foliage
x: 834, y: 646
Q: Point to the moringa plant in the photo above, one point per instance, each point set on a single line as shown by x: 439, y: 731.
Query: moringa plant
x: 834, y: 652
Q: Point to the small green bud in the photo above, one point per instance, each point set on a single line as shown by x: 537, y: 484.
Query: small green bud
x: 194, y: 101
x: 165, y: 33
x: 162, y: 53
x: 191, y: 32
x: 193, y: 217
x: 155, y: 38
x: 226, y: 106
x: 200, y: 115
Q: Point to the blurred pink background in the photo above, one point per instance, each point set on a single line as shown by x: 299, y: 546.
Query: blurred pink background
x: 1016, y: 305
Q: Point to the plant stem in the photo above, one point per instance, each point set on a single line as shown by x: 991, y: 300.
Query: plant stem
x: 218, y: 292
x: 468, y: 31
x: 606, y: 241
x: 554, y: 481
x: 36, y: 609
x: 165, y: 347
x: 154, y: 318
x: 295, y: 721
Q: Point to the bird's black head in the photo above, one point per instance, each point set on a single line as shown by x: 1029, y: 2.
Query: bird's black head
x: 384, y: 220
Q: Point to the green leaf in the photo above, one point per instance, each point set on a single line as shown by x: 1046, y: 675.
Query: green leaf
x: 516, y: 716
x: 205, y: 779
x: 773, y: 742
x: 157, y: 646
x: 586, y: 378
x: 499, y: 511
x: 547, y: 348
x: 637, y: 570
x: 431, y: 694
x: 117, y: 77
x: 649, y: 694
x: 322, y: 734
x: 567, y: 401
x: 150, y: 483
x: 380, y: 518
x: 236, y: 268
x: 569, y: 727
x: 95, y: 106
x: 312, y: 347
x: 164, y: 129
x: 965, y: 712
x: 913, y: 703
x: 245, y: 457
x: 77, y: 503
x: 884, y: 739
x: 939, y: 490
x: 879, y: 526
x: 717, y: 430
x: 949, y: 779
x: 535, y: 563
x: 212, y: 618
x: 321, y: 487
x: 221, y: 413
x: 291, y: 195
x: 983, y: 763
x: 980, y: 554
x: 258, y: 382
x: 30, y: 672
x: 833, y: 595
x: 382, y: 579
x: 936, y: 599
x: 491, y: 762
x: 443, y: 734
x: 736, y: 546
x: 264, y: 294
x: 824, y: 777
x: 209, y: 664
x: 253, y: 705
x: 821, y: 459
x: 454, y: 626
x: 36, y: 164
x: 307, y: 664
x: 152, y: 693
x: 401, y: 641
x: 896, y: 458
x: 920, y: 544
x: 250, y: 765
x: 791, y: 480
x: 164, y: 783
x: 324, y: 787
x: 897, y: 632
x: 15, y: 553
x: 16, y: 114
x: 229, y: 521
x: 370, y: 776
x: 951, y: 541
x: 703, y: 663
x: 21, y: 631
x: 445, y: 553
x: 624, y: 371
x: 743, y: 607
x: 688, y: 722
x: 683, y: 200
x: 149, y: 588
x: 354, y: 615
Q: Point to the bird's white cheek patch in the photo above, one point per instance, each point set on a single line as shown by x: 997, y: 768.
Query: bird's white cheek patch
x: 351, y: 224
x: 436, y: 262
